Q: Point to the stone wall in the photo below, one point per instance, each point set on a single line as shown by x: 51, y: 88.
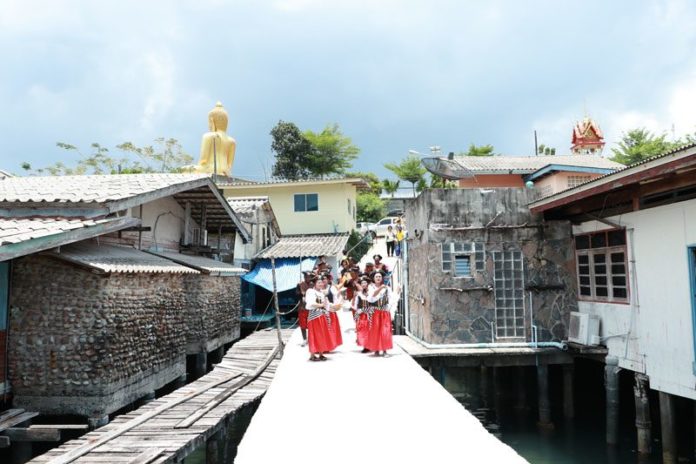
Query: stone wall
x: 448, y: 309
x: 212, y: 311
x: 88, y: 344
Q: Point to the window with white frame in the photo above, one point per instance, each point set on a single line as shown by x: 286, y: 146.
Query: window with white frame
x: 462, y: 258
x: 574, y: 181
x: 306, y: 202
x: 602, y: 266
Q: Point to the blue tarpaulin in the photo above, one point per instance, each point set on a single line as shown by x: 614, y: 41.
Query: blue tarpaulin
x: 288, y: 273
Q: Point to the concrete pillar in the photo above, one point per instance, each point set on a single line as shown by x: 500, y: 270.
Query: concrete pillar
x: 568, y: 391
x: 180, y: 381
x: 611, y: 387
x: 543, y: 393
x: 213, y: 448
x: 201, y: 364
x: 96, y: 422
x: 521, y: 402
x: 640, y: 392
x: 667, y: 424
x: 485, y: 401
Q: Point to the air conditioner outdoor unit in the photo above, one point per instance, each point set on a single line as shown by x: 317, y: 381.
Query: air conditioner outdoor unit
x: 584, y: 329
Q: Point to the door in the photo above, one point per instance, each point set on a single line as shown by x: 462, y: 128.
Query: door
x: 508, y: 280
x: 692, y: 290
x: 4, y: 293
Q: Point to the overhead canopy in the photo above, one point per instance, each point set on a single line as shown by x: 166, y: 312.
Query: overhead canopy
x: 299, y: 246
x: 288, y: 273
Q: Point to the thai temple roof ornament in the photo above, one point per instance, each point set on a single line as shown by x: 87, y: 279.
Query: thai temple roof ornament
x: 587, y: 139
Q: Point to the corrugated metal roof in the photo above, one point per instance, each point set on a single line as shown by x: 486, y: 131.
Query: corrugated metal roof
x: 116, y: 259
x: 298, y: 246
x: 16, y: 230
x: 618, y: 172
x: 88, y: 189
x: 245, y: 206
x: 276, y: 181
x: 529, y: 164
x: 200, y: 262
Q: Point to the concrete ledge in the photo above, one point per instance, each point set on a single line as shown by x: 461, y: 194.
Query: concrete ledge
x: 113, y: 398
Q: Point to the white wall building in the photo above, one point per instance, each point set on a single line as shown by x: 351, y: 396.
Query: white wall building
x: 635, y: 240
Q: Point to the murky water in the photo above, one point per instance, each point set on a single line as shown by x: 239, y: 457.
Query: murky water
x: 506, y: 405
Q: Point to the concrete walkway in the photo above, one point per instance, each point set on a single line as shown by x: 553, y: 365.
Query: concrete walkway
x: 358, y: 409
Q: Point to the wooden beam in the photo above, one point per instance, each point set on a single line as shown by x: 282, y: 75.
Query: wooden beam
x: 84, y: 427
x: 18, y: 434
x: 17, y: 419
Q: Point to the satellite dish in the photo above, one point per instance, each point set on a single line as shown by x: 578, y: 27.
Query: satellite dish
x: 448, y: 169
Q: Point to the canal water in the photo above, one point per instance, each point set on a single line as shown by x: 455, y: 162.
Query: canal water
x: 505, y: 402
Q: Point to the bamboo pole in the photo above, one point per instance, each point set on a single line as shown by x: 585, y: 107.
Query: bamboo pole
x: 277, y: 308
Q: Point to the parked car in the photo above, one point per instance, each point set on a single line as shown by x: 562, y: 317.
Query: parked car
x: 380, y: 229
x: 363, y: 227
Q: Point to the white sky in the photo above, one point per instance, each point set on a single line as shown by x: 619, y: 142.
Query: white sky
x: 396, y: 75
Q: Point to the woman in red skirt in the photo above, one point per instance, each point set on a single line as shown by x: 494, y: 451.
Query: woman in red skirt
x: 318, y: 335
x: 362, y: 313
x: 333, y: 295
x: 381, y: 298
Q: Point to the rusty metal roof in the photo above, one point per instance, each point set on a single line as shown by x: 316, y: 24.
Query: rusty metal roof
x: 117, y: 259
x: 307, y: 245
x: 201, y: 263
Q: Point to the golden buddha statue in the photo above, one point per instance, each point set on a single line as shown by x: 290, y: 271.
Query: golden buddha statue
x: 217, y: 148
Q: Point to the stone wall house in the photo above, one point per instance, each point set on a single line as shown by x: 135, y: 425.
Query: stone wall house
x: 88, y: 344
x: 483, y: 269
x: 104, y: 307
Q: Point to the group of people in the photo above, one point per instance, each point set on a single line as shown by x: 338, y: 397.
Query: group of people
x: 394, y: 238
x: 364, y: 292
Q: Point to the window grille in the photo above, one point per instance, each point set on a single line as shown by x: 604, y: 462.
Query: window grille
x: 463, y: 258
x: 602, y: 266
x: 508, y: 279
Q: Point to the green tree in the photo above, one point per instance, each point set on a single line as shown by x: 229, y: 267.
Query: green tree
x: 370, y: 178
x: 358, y: 245
x: 639, y: 144
x: 333, y: 152
x: 390, y: 186
x: 409, y: 170
x: 293, y: 152
x: 168, y: 156
x: 441, y: 182
x: 481, y: 150
x: 370, y: 207
x: 545, y: 151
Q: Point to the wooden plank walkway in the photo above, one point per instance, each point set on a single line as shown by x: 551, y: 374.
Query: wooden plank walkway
x: 169, y: 428
x: 357, y: 408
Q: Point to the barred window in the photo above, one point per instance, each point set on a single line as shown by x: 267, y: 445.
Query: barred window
x: 574, y: 181
x: 602, y: 266
x: 546, y: 190
x: 463, y: 258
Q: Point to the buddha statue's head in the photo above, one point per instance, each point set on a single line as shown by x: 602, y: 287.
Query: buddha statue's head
x: 217, y: 118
